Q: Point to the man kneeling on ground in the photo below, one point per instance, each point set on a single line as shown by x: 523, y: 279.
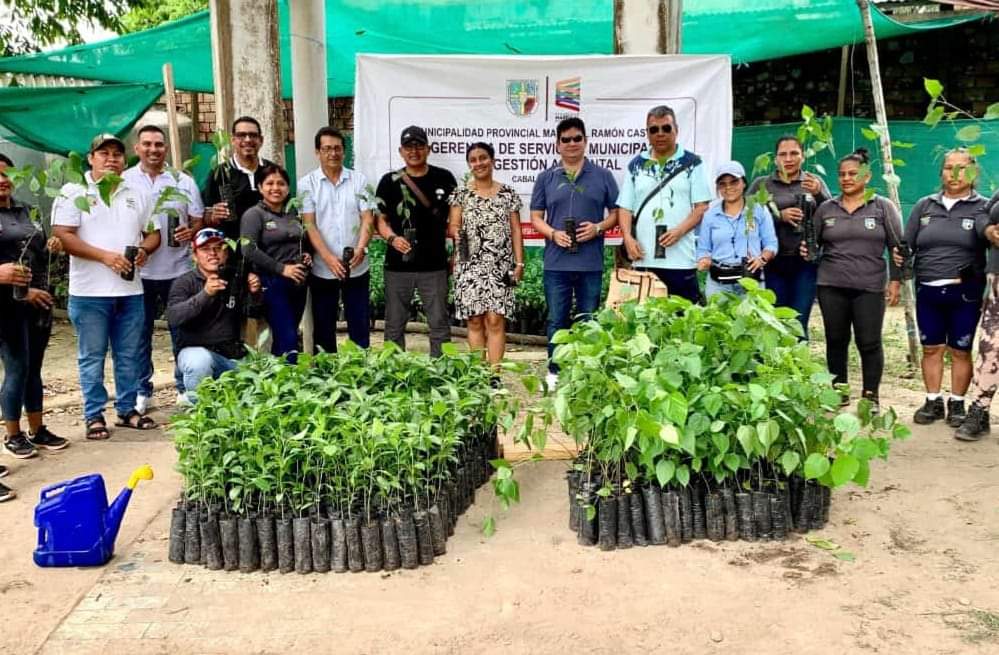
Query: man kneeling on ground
x: 208, y: 329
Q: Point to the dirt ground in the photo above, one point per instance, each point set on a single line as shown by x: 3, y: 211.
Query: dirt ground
x: 924, y: 536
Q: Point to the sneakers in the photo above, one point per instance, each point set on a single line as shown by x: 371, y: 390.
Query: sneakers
x: 183, y: 400
x: 3, y: 471
x: 141, y: 403
x: 976, y: 424
x: 46, y: 440
x: 18, y: 446
x: 875, y: 404
x: 955, y: 413
x: 552, y: 381
x: 932, y: 410
x: 6, y: 493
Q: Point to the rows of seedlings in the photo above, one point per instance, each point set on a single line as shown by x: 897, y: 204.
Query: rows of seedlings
x: 708, y: 421
x: 356, y: 461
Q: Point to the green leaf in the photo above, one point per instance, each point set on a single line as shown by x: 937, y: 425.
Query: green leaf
x: 591, y: 512
x: 488, y: 526
x: 626, y: 382
x: 790, y: 460
x: 664, y: 471
x: 807, y: 112
x: 843, y: 469
x: 824, y: 544
x: 863, y: 473
x: 976, y: 150
x: 721, y: 442
x: 844, y: 555
x: 969, y: 133
x: 81, y: 203
x: 848, y: 424
x: 933, y: 116
x: 901, y: 431
x: 718, y: 426
x: 732, y: 462
x: 933, y: 87
x: 869, y: 134
x: 746, y: 436
x: 756, y: 392
x: 992, y: 112
x: 683, y: 475
x: 816, y: 466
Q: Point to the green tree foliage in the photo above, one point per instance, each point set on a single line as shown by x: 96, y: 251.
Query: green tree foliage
x: 150, y: 15
x: 30, y: 24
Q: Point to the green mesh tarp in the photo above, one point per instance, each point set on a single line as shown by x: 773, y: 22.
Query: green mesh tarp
x: 921, y: 170
x: 66, y: 118
x: 746, y: 30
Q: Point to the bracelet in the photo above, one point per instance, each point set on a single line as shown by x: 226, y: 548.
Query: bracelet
x: 391, y: 239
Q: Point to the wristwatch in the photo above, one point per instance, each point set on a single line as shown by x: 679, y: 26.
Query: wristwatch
x: 600, y: 229
x: 392, y: 238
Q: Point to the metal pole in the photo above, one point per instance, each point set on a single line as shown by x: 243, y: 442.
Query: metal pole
x: 889, y: 167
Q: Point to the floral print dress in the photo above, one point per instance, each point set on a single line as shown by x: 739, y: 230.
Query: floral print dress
x: 485, y: 222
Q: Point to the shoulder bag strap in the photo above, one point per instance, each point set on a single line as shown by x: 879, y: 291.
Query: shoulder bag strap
x: 690, y: 163
x: 420, y: 196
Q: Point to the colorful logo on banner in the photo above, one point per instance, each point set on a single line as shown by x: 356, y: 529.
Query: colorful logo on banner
x: 567, y: 93
x: 522, y: 96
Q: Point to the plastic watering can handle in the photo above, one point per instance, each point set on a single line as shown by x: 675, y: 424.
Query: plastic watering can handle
x: 144, y: 472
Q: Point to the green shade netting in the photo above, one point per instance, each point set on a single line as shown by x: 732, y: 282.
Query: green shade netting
x: 920, y: 172
x: 67, y: 118
x: 746, y: 30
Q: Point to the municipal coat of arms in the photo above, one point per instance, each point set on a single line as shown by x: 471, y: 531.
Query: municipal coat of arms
x: 522, y: 96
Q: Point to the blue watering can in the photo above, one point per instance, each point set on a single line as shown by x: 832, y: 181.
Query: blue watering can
x: 76, y: 527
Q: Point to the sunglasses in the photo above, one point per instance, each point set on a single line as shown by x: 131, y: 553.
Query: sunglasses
x: 571, y: 139
x: 246, y: 136
x: 655, y: 129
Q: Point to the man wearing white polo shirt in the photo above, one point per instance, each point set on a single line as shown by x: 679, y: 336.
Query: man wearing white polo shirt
x: 169, y: 261
x: 337, y: 214
x: 105, y: 307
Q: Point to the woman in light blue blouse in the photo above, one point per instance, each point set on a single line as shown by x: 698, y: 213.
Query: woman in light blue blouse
x: 734, y: 241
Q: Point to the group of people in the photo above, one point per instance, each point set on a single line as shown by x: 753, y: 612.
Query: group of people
x: 257, y: 253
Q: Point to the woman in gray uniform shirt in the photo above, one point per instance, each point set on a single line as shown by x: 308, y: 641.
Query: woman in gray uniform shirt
x: 853, y: 236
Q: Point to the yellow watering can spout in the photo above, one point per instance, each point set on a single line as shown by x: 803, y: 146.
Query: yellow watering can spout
x: 144, y: 472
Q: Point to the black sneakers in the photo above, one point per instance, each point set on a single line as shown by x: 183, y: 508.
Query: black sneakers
x: 932, y: 410
x: 6, y: 493
x: 976, y: 424
x: 875, y: 403
x: 45, y: 439
x: 955, y: 413
x: 18, y: 446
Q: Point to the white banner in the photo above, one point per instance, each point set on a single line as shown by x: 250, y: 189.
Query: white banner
x: 514, y: 103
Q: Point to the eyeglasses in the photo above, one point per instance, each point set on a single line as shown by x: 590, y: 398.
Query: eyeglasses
x: 655, y: 129
x: 412, y: 145
x: 246, y: 136
x: 571, y: 139
x: 329, y: 150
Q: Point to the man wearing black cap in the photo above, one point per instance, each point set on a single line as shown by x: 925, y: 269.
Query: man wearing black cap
x: 207, y: 329
x: 105, y: 295
x: 413, y: 221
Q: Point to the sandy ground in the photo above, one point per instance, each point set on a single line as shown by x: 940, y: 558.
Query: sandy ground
x: 925, y: 536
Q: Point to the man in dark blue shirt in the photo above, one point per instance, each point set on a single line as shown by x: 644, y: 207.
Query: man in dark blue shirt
x: 578, y: 193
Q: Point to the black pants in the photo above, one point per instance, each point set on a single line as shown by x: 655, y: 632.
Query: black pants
x: 864, y: 312
x: 326, y: 310
x: 23, y: 340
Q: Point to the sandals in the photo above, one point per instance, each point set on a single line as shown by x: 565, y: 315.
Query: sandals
x: 135, y: 421
x: 97, y: 429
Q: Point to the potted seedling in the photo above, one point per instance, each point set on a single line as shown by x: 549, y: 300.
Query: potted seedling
x: 571, y: 222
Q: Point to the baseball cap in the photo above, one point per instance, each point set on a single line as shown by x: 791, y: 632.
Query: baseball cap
x: 732, y: 168
x: 207, y: 235
x: 414, y: 133
x: 105, y: 137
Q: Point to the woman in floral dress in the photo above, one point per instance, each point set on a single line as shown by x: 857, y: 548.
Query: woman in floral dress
x: 485, y: 223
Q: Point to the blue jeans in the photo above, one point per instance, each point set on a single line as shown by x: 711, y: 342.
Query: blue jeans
x: 153, y: 292
x: 326, y: 310
x: 22, y: 348
x: 284, y: 304
x: 99, y: 322
x: 792, y: 280
x: 560, y: 288
x: 711, y: 287
x: 679, y: 282
x: 197, y: 363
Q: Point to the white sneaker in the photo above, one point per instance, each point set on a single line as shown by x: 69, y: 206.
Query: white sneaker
x: 183, y: 400
x: 552, y: 381
x: 141, y: 403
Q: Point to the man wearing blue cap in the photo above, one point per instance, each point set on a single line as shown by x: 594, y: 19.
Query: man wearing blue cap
x: 208, y: 330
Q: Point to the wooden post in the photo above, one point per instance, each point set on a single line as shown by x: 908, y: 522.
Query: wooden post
x: 645, y: 27
x: 171, y: 103
x: 844, y: 59
x: 889, y: 167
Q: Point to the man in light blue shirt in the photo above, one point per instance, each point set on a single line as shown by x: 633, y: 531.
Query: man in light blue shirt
x: 336, y: 211
x: 735, y: 240
x: 658, y: 220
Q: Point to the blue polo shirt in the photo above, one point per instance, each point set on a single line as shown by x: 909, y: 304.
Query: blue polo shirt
x: 726, y: 239
x: 595, y: 194
x: 675, y: 200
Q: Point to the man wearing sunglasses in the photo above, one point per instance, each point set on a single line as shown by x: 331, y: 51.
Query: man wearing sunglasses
x: 234, y: 178
x: 208, y: 332
x: 574, y: 192
x: 663, y: 197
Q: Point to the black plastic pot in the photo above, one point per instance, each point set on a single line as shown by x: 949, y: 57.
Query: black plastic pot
x: 826, y: 506
x: 285, y: 545
x: 371, y: 544
x: 355, y: 550
x: 229, y: 530
x: 302, y: 528
x: 761, y: 515
x: 267, y: 538
x: 607, y: 523
x: 211, y: 541
x: 438, y: 534
x: 178, y: 522
x: 806, y: 507
x: 409, y: 551
x: 655, y: 528
x: 572, y: 481
x: 624, y: 539
x: 321, y: 544
x: 637, y: 503
x: 587, y: 533
x: 338, y: 546
x: 686, y: 515
x: 192, y: 538
x: 714, y: 510
x: 777, y: 517
x: 671, y: 518
x: 697, y: 510
x: 746, y: 522
x: 390, y: 545
x: 424, y: 541
x: 731, y: 514
x: 249, y: 548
